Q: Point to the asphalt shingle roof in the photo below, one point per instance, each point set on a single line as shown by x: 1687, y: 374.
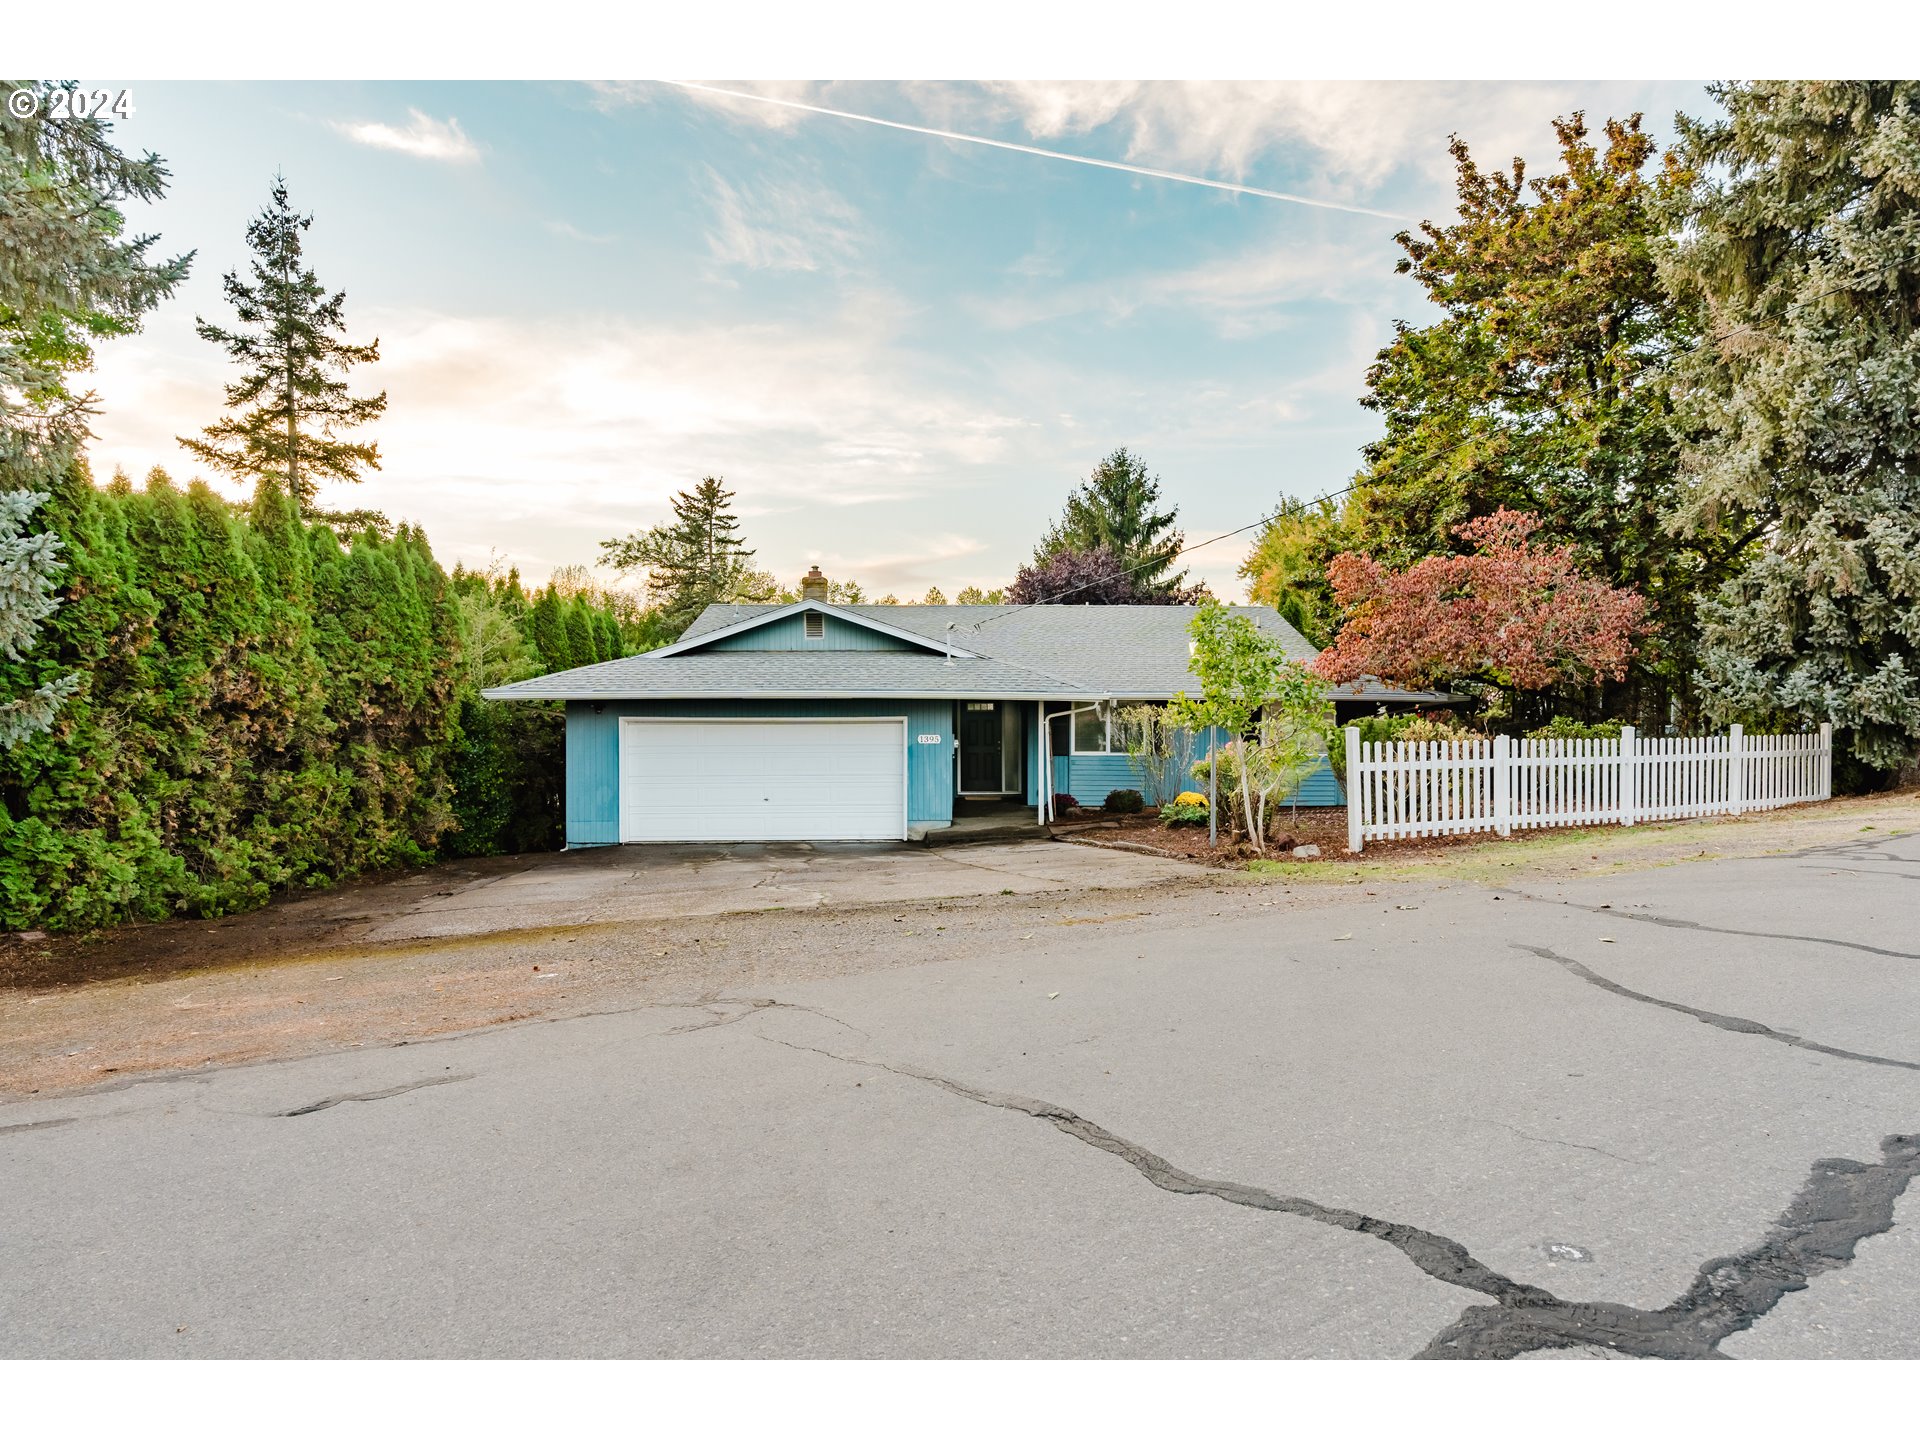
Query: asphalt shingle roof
x: 784, y: 674
x: 1030, y: 652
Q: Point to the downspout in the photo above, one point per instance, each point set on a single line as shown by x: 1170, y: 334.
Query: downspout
x: 1042, y: 781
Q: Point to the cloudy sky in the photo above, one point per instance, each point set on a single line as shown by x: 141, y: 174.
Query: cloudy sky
x: 900, y: 350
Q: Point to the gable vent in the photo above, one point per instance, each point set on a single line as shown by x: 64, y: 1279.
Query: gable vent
x: 816, y: 625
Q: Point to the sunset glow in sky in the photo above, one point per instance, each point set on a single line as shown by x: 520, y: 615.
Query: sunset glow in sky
x: 900, y: 350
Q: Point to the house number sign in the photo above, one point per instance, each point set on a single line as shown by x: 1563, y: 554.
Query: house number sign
x: 928, y: 739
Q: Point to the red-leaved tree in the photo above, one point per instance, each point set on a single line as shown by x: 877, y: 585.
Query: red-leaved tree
x: 1512, y: 613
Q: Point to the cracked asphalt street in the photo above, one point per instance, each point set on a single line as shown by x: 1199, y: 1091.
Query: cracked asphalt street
x: 1671, y: 1113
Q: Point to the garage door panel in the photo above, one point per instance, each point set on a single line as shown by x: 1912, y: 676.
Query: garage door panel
x: 762, y: 780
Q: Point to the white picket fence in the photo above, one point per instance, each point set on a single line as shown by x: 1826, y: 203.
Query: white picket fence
x: 1397, y: 790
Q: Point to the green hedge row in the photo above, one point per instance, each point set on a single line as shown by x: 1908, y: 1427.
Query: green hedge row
x: 262, y: 706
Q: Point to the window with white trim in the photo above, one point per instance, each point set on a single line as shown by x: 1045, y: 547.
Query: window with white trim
x: 1092, y: 732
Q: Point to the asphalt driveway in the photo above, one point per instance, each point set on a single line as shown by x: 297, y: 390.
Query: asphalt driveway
x: 1662, y: 1113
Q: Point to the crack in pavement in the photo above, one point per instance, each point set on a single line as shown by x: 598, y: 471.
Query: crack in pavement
x: 1855, y: 849
x: 1445, y: 1260
x: 37, y: 1125
x: 754, y: 1005
x: 1842, y: 1203
x: 333, y: 1100
x: 1673, y: 923
x: 1549, y: 1140
x: 1734, y: 1023
x: 1877, y: 874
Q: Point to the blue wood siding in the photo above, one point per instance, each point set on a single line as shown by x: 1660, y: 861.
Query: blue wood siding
x: 790, y: 634
x: 593, y: 751
x: 1089, y: 778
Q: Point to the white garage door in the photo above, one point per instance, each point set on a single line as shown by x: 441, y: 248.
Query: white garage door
x: 763, y: 779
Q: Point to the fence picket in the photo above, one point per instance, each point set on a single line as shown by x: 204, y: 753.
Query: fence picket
x: 1401, y: 789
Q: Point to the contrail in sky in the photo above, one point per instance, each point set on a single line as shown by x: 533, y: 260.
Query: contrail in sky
x: 1035, y: 150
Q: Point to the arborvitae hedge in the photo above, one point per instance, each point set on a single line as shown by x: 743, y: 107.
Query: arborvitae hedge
x: 263, y: 705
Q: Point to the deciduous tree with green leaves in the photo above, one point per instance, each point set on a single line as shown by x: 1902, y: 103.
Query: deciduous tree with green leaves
x: 1244, y: 675
x: 1802, y: 248
x: 1541, y: 388
x: 291, y: 400
x: 1287, y: 566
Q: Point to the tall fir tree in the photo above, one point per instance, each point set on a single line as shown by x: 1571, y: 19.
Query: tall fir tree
x: 291, y: 400
x: 1802, y: 245
x: 695, y: 560
x: 1115, y: 509
x: 69, y: 276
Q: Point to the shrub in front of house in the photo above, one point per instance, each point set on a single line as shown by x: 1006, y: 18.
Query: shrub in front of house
x: 1565, y: 727
x: 1063, y: 803
x: 1125, y: 802
x: 1186, y: 809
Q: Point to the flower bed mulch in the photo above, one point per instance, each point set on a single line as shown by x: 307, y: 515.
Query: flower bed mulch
x: 1319, y: 825
x: 1322, y: 825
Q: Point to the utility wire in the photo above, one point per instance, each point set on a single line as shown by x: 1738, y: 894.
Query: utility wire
x: 1184, y: 550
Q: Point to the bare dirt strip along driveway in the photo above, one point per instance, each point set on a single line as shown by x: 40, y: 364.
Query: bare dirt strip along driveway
x: 1560, y: 1098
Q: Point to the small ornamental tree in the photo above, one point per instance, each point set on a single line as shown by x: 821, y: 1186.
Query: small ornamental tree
x: 1160, y: 748
x: 1514, y: 614
x: 1244, y: 674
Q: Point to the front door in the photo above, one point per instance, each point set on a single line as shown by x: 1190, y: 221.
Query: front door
x: 980, y: 747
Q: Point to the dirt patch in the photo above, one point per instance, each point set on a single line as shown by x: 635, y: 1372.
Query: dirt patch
x: 291, y: 926
x: 1322, y: 826
x: 301, y: 978
x: 1478, y: 855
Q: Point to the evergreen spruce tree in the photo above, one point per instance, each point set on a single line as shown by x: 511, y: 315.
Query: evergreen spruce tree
x: 1114, y: 509
x: 291, y: 399
x: 69, y: 276
x: 1803, y: 248
x: 696, y: 560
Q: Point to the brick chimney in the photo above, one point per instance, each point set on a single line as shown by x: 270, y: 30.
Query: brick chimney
x: 813, y: 585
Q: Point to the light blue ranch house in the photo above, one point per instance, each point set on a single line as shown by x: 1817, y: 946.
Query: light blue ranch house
x: 815, y: 721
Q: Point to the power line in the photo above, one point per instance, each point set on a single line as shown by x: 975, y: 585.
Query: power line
x: 1183, y: 551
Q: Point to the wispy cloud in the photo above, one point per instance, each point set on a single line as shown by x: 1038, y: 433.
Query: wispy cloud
x: 557, y: 432
x: 566, y: 230
x: 422, y: 136
x: 1241, y: 295
x: 781, y: 225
